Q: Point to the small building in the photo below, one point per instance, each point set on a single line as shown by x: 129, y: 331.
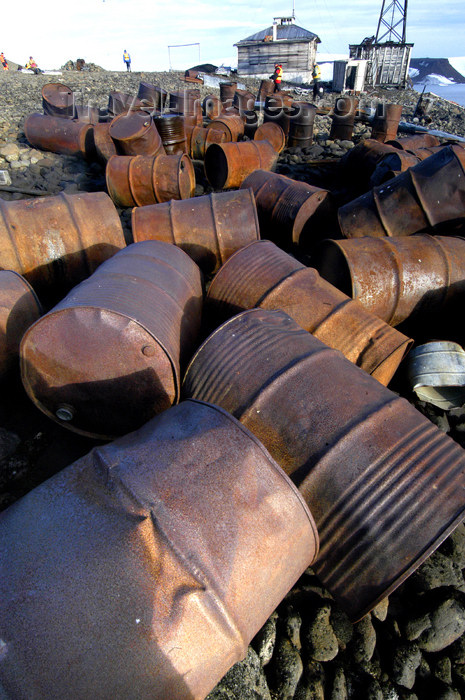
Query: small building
x: 284, y: 42
x: 349, y: 76
x: 388, y: 62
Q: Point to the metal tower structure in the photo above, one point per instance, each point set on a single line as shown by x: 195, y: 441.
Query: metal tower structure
x: 392, y: 22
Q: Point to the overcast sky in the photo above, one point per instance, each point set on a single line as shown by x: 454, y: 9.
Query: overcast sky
x: 99, y: 30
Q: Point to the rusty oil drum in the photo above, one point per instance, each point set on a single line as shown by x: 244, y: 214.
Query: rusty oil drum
x: 153, y: 95
x: 228, y: 164
x: 272, y: 132
x: 172, y: 130
x: 266, y: 88
x: 58, y: 241
x: 262, y: 275
x: 301, y: 121
x: 421, y: 199
x: 343, y: 117
x: 140, y: 180
x: 360, y: 162
x: 122, y: 102
x: 107, y: 358
x: 58, y: 100
x: 278, y: 110
x: 19, y: 309
x: 211, y: 106
x: 290, y: 213
x: 384, y: 484
x: 209, y: 228
x: 232, y: 126
x: 392, y: 164
x: 386, y: 121
x: 188, y: 103
x: 411, y: 143
x: 166, y: 551
x: 199, y: 139
x: 105, y: 147
x: 135, y: 134
x: 59, y: 135
x: 397, y: 278
x: 227, y: 92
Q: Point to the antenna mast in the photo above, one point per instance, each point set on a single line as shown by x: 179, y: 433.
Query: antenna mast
x: 293, y: 9
x: 392, y: 21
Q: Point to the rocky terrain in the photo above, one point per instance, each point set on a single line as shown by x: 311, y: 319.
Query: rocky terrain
x: 412, y: 645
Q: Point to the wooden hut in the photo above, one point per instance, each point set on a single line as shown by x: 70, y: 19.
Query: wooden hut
x: 284, y: 42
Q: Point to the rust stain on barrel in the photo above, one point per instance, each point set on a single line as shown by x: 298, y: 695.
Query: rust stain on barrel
x: 60, y: 135
x: 19, y: 309
x: 228, y: 164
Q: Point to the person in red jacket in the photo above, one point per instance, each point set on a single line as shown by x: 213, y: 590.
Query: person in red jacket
x: 277, y: 77
x: 3, y: 61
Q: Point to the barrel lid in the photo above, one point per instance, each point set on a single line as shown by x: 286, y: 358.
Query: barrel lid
x: 129, y: 126
x: 58, y: 94
x: 96, y: 371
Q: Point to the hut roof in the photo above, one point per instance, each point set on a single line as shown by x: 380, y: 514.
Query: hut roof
x: 285, y: 32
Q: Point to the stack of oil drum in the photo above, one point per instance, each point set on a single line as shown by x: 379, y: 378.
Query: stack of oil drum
x: 249, y: 431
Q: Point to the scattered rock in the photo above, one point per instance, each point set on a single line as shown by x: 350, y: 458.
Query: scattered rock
x: 320, y: 640
x: 286, y: 670
x: 405, y: 662
x: 447, y: 625
x: 245, y: 680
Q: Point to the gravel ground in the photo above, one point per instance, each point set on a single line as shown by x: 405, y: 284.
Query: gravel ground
x: 412, y: 646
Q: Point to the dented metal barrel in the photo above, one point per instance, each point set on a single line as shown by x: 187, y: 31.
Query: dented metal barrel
x: 209, y: 228
x: 343, y: 118
x: 59, y: 135
x: 384, y: 484
x: 119, y: 102
x: 58, y: 100
x: 139, y: 180
x: 398, y: 278
x: 302, y: 117
x: 419, y: 200
x: 211, y: 106
x: 19, y: 309
x: 228, y: 164
x: 153, y: 95
x: 157, y: 558
x: 135, y: 134
x: 272, y: 132
x: 386, y: 121
x: 172, y: 130
x: 231, y: 125
x: 199, y: 139
x: 411, y: 143
x: 105, y: 147
x: 290, y: 213
x: 278, y: 109
x: 262, y: 275
x: 188, y: 103
x: 266, y: 88
x: 107, y: 358
x: 227, y: 92
x: 392, y: 164
x: 436, y: 373
x: 56, y: 242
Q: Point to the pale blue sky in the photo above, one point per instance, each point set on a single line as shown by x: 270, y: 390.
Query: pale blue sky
x: 99, y: 30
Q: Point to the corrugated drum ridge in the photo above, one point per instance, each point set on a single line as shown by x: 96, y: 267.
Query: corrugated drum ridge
x: 395, y: 496
x: 367, y: 326
x: 288, y: 203
x: 212, y: 384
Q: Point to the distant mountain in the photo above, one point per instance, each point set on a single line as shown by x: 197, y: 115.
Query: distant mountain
x: 434, y: 70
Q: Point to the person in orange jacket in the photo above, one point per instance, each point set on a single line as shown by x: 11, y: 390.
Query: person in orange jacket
x: 277, y: 76
x: 3, y: 61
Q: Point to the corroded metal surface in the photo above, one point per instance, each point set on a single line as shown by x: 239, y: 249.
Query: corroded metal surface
x: 266, y: 88
x: 58, y: 100
x: 302, y: 118
x: 156, y: 559
x: 272, y: 132
x: 228, y: 164
x: 208, y: 228
x: 59, y: 135
x: 153, y: 95
x: 119, y: 102
x: 419, y: 200
x: 411, y: 143
x: 343, y: 118
x: 56, y: 242
x: 244, y: 100
x: 232, y: 126
x: 278, y: 109
x: 107, y: 358
x: 261, y: 275
x: 19, y: 309
x: 398, y: 278
x: 360, y: 162
x: 386, y: 121
x: 140, y: 180
x: 290, y: 212
x: 227, y: 91
x: 172, y: 130
x: 188, y: 103
x: 384, y: 484
x: 105, y: 147
x: 199, y: 139
x: 392, y: 164
x: 135, y: 134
